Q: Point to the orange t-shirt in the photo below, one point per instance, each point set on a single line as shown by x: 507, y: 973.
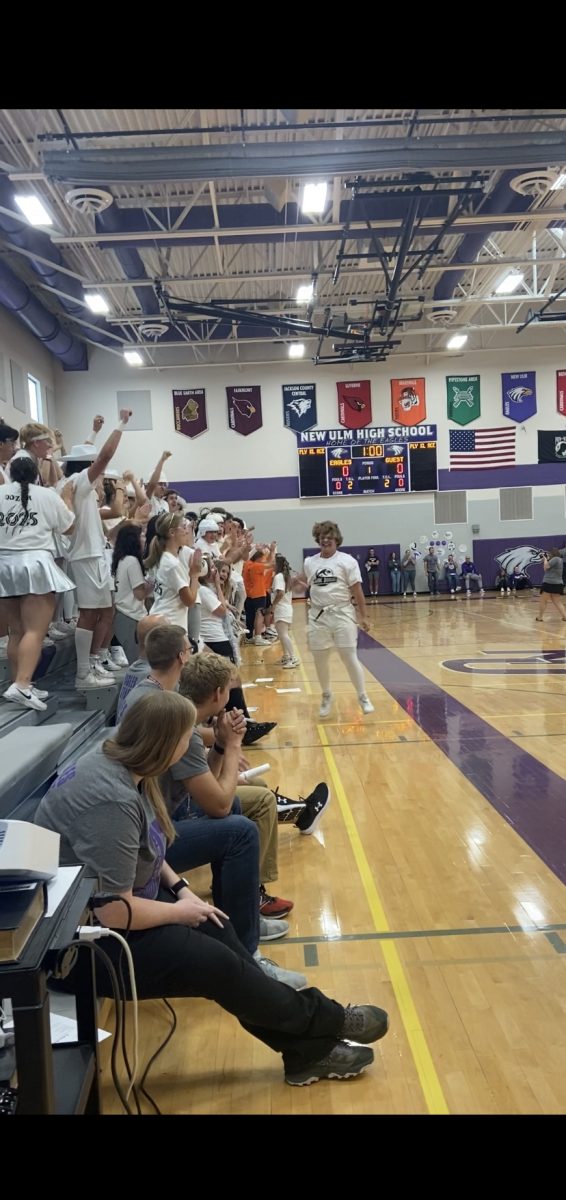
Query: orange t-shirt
x: 269, y: 573
x: 254, y: 579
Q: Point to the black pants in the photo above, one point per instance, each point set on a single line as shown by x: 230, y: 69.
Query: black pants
x: 236, y: 695
x: 173, y: 960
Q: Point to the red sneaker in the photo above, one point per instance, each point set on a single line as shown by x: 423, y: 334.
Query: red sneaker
x: 273, y: 906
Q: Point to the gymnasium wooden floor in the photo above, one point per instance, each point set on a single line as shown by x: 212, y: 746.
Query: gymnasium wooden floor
x: 434, y: 887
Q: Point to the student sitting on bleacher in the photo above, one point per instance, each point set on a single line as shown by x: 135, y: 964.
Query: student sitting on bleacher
x: 30, y: 580
x: 110, y: 812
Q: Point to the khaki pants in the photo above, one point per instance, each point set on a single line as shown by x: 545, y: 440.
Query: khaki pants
x: 260, y: 806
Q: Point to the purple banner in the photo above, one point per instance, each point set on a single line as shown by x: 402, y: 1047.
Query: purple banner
x: 189, y: 411
x: 299, y: 406
x: 244, y: 409
x: 519, y: 395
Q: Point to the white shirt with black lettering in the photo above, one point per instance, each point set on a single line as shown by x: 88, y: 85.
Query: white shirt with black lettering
x: 31, y: 528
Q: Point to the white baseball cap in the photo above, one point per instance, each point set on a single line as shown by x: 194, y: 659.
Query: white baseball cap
x: 82, y: 453
x: 209, y: 525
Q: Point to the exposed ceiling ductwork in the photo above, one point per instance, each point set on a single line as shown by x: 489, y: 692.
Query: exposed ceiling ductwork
x: 17, y: 298
x: 305, y: 159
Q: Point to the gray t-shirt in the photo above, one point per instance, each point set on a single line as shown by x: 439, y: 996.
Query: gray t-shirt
x: 142, y: 688
x: 431, y: 563
x: 136, y: 671
x: 106, y: 823
x: 194, y: 762
x: 554, y: 572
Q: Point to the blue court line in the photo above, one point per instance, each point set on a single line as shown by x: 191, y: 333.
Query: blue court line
x: 528, y: 795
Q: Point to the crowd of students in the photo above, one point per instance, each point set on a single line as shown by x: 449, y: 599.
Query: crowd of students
x: 161, y: 600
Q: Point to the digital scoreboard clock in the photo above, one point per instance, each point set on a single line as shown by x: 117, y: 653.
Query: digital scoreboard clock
x: 375, y: 461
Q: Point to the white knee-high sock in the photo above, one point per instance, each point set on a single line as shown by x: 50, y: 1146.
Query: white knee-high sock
x: 68, y: 605
x: 322, y: 665
x: 83, y: 643
x: 283, y: 635
x: 354, y: 668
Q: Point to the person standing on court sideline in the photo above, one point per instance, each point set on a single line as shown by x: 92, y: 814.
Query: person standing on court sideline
x: 409, y: 568
x: 430, y: 561
x: 335, y: 582
x: 394, y: 568
x: 372, y: 568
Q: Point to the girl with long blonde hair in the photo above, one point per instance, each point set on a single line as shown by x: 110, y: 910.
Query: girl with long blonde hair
x: 109, y: 812
x: 175, y: 584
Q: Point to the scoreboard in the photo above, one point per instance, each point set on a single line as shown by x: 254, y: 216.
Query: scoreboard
x: 375, y: 461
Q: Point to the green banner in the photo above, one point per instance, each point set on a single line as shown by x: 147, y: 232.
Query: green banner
x: 463, y: 403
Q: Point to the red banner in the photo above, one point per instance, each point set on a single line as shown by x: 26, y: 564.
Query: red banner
x: 408, y: 401
x: 354, y: 404
x: 561, y: 392
x: 189, y: 411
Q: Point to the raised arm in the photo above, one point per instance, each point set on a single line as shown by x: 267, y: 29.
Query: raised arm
x: 110, y: 447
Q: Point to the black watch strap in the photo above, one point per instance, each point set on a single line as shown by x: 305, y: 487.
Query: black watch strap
x: 178, y: 887
x: 218, y: 749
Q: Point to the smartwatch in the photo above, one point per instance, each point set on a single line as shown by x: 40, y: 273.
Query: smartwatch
x: 178, y: 887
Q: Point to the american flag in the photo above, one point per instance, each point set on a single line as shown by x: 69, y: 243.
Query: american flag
x: 477, y: 449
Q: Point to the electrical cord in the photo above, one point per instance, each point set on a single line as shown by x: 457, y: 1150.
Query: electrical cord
x: 159, y: 1051
x: 101, y: 954
x: 98, y: 901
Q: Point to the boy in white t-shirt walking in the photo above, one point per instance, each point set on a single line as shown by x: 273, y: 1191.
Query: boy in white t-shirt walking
x: 335, y: 582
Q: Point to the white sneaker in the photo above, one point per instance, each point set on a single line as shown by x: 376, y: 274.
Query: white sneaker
x: 291, y: 662
x: 404, y: 595
x: 40, y: 695
x: 366, y: 705
x: 110, y: 666
x: 325, y: 704
x: 24, y: 698
x: 96, y: 668
x: 261, y: 641
x: 92, y: 681
x: 117, y: 655
x: 508, y: 591
x: 414, y: 595
x: 282, y: 662
x: 292, y: 978
x: 56, y: 634
x: 482, y: 593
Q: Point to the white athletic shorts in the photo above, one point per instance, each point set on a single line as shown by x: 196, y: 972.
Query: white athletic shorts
x: 334, y: 627
x: 92, y: 581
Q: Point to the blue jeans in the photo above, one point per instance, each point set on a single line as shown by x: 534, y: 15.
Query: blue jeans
x: 432, y: 578
x: 409, y: 579
x: 451, y: 580
x: 395, y: 581
x: 231, y: 846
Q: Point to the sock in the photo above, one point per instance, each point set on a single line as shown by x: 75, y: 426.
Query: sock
x: 68, y: 605
x: 83, y: 643
x: 354, y: 669
x: 284, y: 639
x: 322, y: 665
x: 236, y: 700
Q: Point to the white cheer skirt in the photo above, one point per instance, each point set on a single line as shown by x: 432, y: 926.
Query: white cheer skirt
x: 31, y: 573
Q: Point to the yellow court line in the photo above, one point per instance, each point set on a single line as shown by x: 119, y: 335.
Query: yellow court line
x: 429, y: 1081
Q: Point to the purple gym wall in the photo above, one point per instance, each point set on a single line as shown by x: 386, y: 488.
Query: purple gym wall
x: 485, y: 553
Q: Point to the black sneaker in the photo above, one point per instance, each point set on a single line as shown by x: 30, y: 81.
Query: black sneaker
x: 288, y: 810
x: 315, y: 804
x: 364, y: 1023
x: 343, y: 1062
x: 257, y: 730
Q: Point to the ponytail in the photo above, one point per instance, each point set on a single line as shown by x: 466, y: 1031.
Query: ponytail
x: 164, y: 527
x: 24, y: 470
x: 156, y: 549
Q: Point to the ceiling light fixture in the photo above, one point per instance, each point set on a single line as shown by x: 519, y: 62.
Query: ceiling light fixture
x: 96, y: 302
x: 559, y: 183
x: 33, y: 210
x: 456, y: 341
x: 510, y: 283
x: 296, y: 349
x: 133, y: 357
x: 314, y: 197
x: 305, y: 293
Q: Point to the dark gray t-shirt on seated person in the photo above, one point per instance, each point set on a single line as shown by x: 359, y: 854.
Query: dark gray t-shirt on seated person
x: 136, y: 671
x: 105, y: 823
x: 194, y: 762
x: 141, y: 689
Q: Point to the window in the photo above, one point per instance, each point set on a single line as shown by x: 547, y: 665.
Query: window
x: 35, y: 404
x: 451, y: 508
x: 516, y: 504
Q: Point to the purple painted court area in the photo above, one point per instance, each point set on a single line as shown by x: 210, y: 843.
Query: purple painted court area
x: 528, y: 795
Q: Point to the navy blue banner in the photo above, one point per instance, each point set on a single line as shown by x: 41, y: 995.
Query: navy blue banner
x: 299, y: 406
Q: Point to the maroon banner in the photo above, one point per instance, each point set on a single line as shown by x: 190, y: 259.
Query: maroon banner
x: 244, y: 409
x: 561, y: 392
x: 189, y: 411
x: 354, y: 403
